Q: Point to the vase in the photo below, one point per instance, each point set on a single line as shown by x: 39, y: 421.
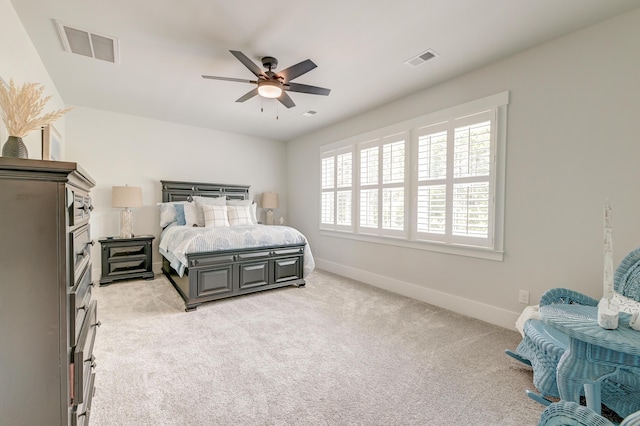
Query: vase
x: 14, y: 147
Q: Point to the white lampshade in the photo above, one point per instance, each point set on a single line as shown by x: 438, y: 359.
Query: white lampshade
x: 126, y: 196
x: 270, y: 200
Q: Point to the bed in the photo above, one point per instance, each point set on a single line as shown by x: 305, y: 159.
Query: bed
x: 220, y: 260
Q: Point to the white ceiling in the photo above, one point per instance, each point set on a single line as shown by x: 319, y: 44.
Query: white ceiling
x: 360, y: 47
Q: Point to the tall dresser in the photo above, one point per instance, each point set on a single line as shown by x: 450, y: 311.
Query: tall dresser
x: 48, y: 321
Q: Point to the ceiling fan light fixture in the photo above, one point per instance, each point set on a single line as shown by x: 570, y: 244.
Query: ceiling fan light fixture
x: 269, y: 89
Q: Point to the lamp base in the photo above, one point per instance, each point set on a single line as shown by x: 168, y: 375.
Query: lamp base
x: 269, y: 217
x: 126, y: 223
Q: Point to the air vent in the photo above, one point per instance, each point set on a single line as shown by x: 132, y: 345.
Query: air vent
x: 89, y: 44
x: 421, y: 58
x: 309, y: 113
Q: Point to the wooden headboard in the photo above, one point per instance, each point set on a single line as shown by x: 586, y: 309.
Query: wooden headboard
x: 181, y: 191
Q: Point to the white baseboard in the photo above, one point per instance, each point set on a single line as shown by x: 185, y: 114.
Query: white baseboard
x: 471, y: 308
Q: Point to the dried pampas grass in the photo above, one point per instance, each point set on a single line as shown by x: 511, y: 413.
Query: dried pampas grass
x: 21, y: 108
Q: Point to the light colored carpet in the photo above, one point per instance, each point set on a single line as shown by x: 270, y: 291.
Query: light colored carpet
x: 337, y: 352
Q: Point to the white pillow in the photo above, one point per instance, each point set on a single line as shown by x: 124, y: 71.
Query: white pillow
x: 215, y: 216
x: 246, y: 203
x: 239, y: 215
x: 168, y: 213
x: 211, y: 201
x: 193, y: 214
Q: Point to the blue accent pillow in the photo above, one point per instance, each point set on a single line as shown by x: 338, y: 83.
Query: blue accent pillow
x: 180, y: 214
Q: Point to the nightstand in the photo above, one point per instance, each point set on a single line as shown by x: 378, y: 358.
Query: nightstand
x: 126, y: 258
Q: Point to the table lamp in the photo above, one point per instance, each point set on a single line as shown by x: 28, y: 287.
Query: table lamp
x: 126, y: 197
x: 269, y: 202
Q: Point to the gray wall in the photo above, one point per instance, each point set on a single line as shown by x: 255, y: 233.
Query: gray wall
x: 573, y: 142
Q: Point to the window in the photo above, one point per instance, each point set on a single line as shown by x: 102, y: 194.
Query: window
x: 435, y: 182
x: 382, y: 186
x: 453, y: 181
x: 337, y: 181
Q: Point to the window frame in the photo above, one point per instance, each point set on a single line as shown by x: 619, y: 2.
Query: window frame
x: 494, y: 106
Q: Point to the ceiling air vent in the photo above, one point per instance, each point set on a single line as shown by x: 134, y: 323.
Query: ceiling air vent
x: 421, y: 58
x: 88, y: 44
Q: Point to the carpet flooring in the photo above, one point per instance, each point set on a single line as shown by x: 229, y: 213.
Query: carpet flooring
x: 336, y: 352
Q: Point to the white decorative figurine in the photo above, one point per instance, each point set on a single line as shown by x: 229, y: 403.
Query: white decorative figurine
x: 608, y: 311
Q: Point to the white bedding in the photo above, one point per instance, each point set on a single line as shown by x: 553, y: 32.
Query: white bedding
x: 178, y: 241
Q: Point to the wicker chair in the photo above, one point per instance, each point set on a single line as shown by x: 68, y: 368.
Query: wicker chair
x: 542, y: 345
x: 569, y: 414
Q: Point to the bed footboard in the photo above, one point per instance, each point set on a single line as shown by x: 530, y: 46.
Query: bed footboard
x: 217, y: 275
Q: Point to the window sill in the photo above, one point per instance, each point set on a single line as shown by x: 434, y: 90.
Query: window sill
x: 459, y: 250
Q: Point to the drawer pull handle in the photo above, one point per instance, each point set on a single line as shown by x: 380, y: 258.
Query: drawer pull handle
x: 98, y: 324
x: 92, y: 284
x: 82, y: 308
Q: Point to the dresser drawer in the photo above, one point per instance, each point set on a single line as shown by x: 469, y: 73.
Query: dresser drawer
x: 80, y: 415
x: 83, y: 360
x: 80, y: 251
x: 80, y: 207
x: 79, y: 299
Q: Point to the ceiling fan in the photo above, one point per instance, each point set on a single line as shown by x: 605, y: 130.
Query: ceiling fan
x: 274, y: 85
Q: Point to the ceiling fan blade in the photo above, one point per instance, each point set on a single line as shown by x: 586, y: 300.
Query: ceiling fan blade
x: 255, y: 69
x: 304, y: 88
x: 285, y: 100
x: 297, y: 70
x: 248, y: 95
x: 240, y: 80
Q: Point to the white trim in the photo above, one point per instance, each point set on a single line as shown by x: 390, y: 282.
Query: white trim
x: 488, y: 313
x: 457, y: 249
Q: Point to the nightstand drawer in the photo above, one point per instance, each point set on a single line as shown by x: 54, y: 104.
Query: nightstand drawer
x: 122, y: 251
x: 127, y: 266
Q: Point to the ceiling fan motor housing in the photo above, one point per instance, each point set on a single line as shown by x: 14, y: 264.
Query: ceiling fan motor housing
x: 269, y: 62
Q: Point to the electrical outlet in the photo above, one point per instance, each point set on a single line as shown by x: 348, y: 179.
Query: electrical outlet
x: 523, y: 297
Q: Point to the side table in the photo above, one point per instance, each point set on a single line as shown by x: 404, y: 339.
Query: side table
x: 126, y: 258
x: 593, y: 353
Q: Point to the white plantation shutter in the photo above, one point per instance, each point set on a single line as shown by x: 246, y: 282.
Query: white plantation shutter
x: 439, y: 178
x: 337, y: 189
x: 382, y: 185
x: 431, y: 203
x: 472, y: 168
x: 454, y: 171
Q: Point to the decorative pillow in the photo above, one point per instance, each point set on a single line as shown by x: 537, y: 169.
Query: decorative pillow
x: 246, y: 203
x: 212, y: 201
x: 180, y: 219
x: 193, y: 214
x: 215, y: 216
x: 168, y: 213
x: 239, y: 215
